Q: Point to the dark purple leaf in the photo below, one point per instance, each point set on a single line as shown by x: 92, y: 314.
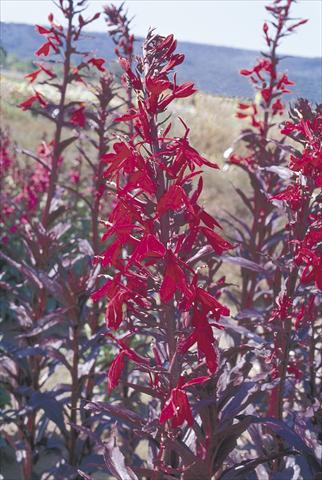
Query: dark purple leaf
x: 115, y: 462
x: 52, y: 408
x: 291, y: 438
x: 238, y: 400
x: 244, y: 263
x: 117, y: 411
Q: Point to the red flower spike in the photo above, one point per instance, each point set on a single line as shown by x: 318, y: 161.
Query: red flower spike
x: 155, y: 225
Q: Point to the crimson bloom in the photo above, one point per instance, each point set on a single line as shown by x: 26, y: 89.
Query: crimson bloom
x: 98, y: 63
x: 293, y: 195
x: 122, y: 153
x: 177, y: 408
x: 218, y: 243
x: 78, y: 117
x: 43, y: 30
x: 37, y: 97
x: 149, y: 246
x: 173, y: 279
x: 117, y: 366
x: 33, y: 75
x: 174, y: 198
x: 45, y: 48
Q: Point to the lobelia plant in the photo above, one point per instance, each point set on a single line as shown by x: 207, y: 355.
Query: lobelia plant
x: 161, y: 228
x: 295, y: 320
x: 260, y: 233
x: 272, y: 301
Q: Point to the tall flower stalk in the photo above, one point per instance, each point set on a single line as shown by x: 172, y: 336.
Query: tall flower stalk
x: 259, y: 235
x: 156, y: 291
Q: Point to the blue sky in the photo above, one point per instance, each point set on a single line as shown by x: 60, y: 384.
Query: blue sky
x: 235, y: 23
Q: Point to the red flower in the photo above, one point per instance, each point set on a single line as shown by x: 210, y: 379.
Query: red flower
x: 134, y: 80
x: 37, y: 97
x: 173, y: 199
x: 293, y: 195
x: 139, y: 179
x: 173, y: 62
x: 178, y: 91
x: 115, y: 371
x: 121, y: 154
x: 111, y: 254
x: 177, y: 408
x: 312, y: 272
x: 98, y: 63
x: 241, y: 115
x: 266, y: 94
x: 243, y: 106
x: 203, y: 336
x: 184, y: 90
x: 33, y: 75
x: 186, y: 156
x: 45, y: 49
x: 245, y: 72
x: 47, y: 71
x: 149, y: 247
x: 43, y: 30
x: 216, y: 241
x: 155, y: 86
x: 117, y: 366
x: 211, y: 304
x: 277, y: 107
x: 78, y: 117
x: 173, y: 279
x: 284, y: 81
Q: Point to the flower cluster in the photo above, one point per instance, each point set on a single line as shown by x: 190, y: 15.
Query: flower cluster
x: 20, y: 193
x: 295, y: 310
x: 154, y: 230
x: 301, y: 195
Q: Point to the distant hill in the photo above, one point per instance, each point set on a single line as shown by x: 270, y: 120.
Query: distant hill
x: 214, y: 69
